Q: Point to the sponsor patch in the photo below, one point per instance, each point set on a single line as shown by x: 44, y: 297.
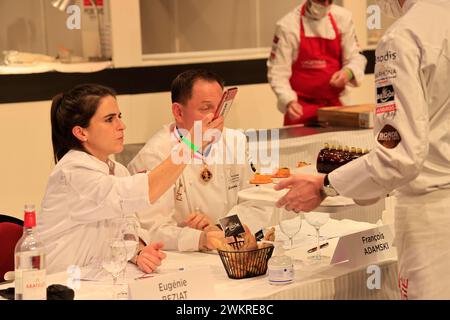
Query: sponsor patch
x: 388, y: 108
x: 388, y: 111
x: 385, y: 94
x: 388, y: 56
x: 385, y: 75
x: 389, y: 137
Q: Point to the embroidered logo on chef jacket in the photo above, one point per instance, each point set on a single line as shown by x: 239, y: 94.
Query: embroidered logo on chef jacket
x: 386, y: 106
x: 403, y: 286
x: 387, y: 112
x: 314, y: 64
x: 389, y: 137
x: 385, y: 57
x: 179, y: 190
x: 233, y: 180
x: 273, y: 52
x: 385, y: 94
x: 383, y: 75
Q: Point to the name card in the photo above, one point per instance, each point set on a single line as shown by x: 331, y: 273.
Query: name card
x: 365, y: 247
x: 195, y: 284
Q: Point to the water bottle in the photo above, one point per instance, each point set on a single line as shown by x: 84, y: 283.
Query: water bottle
x: 280, y: 266
x: 29, y: 261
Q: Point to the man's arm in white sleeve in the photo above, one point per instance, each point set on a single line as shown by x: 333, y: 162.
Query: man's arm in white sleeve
x: 401, y: 125
x: 352, y: 58
x: 279, y: 66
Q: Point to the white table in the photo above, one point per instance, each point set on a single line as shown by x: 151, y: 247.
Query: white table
x: 338, y: 281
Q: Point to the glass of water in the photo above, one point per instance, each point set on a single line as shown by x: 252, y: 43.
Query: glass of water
x: 290, y: 223
x: 317, y: 219
x: 114, y: 259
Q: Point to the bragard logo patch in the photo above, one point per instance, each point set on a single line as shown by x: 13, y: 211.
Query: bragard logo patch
x: 389, y: 137
x: 387, y: 108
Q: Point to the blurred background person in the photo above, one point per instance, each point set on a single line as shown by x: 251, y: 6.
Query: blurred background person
x: 315, y: 54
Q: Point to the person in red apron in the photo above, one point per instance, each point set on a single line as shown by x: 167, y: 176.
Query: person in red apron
x: 318, y: 61
x: 315, y: 54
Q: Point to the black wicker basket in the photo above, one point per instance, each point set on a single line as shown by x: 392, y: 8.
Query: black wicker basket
x: 245, y: 264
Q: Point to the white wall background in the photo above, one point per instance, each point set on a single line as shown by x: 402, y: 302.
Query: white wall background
x: 26, y: 151
x: 25, y: 140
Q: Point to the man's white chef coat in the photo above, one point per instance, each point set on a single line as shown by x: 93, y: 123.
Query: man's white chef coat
x: 412, y: 153
x: 81, y: 197
x: 287, y: 41
x: 214, y: 198
x: 412, y: 117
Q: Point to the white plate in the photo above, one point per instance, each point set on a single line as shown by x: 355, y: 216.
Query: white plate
x: 268, y: 196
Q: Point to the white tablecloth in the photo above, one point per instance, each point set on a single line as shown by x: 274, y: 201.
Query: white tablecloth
x: 311, y: 281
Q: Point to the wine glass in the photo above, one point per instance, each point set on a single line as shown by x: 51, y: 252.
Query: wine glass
x: 317, y: 219
x: 290, y: 223
x: 129, y: 233
x: 127, y: 229
x: 114, y: 259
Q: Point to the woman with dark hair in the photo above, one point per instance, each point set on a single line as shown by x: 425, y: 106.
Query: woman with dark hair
x: 86, y: 190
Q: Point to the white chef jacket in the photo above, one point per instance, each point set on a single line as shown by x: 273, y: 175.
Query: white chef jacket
x: 215, y: 198
x: 412, y: 74
x: 81, y: 196
x: 412, y: 152
x: 287, y: 42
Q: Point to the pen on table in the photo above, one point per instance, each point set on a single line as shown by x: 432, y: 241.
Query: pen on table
x: 150, y: 275
x: 321, y: 247
x: 144, y: 276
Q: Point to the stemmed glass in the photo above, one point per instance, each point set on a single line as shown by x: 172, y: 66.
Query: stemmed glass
x: 129, y: 232
x: 114, y: 259
x: 127, y: 229
x: 317, y: 219
x: 290, y: 223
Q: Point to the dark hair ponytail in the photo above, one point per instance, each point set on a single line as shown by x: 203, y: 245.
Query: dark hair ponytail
x: 74, y: 108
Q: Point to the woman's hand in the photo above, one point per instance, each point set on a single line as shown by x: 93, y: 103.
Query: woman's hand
x: 151, y: 256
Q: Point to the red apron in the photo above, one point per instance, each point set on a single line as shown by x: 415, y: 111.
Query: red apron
x: 318, y: 59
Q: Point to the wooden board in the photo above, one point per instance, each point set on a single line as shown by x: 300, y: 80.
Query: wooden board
x: 357, y: 116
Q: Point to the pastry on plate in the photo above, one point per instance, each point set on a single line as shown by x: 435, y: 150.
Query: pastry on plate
x: 261, y: 179
x: 302, y: 164
x: 282, y: 173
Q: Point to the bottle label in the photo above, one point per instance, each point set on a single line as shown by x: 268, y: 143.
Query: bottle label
x: 30, y: 285
x: 281, y: 274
